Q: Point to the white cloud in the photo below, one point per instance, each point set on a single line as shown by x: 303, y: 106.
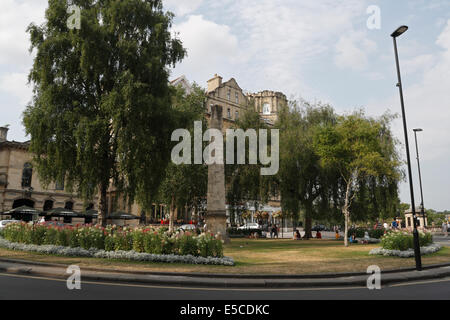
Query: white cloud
x: 16, y: 85
x: 211, y: 48
x: 15, y: 16
x: 281, y: 37
x: 182, y: 7
x: 353, y: 50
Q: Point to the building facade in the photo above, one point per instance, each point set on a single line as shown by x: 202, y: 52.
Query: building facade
x: 20, y: 185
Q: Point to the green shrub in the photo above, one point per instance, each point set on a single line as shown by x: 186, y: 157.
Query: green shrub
x: 51, y: 236
x: 402, y: 240
x: 153, y: 241
x: 188, y: 246
x: 138, y: 241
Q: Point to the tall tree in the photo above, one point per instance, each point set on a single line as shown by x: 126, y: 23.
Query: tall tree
x: 362, y: 149
x: 304, y: 183
x: 185, y: 185
x: 246, y: 185
x: 101, y: 111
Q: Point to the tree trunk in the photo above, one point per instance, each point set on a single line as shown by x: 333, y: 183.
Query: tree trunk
x: 103, y: 205
x: 346, y: 211
x: 171, y: 215
x: 308, y: 222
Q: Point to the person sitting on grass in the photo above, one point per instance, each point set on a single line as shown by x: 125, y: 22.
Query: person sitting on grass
x: 337, y: 235
x: 297, y: 235
x: 318, y: 235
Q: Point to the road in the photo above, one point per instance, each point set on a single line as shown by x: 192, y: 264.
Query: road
x: 30, y: 288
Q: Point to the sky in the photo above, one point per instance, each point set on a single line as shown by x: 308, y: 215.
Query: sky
x: 336, y: 52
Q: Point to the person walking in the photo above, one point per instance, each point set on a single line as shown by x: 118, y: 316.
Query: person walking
x: 445, y: 228
x: 275, y: 231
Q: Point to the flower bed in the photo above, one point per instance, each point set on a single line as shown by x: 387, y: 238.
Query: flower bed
x: 146, y: 244
x: 401, y: 244
x: 406, y: 253
x: 118, y: 255
x: 403, y: 240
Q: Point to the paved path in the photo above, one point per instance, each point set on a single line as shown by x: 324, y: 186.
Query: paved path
x: 24, y: 287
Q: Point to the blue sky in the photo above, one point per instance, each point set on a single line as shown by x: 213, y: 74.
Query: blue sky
x: 320, y: 50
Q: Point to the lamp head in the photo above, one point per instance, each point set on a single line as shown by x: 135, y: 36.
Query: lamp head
x: 400, y: 30
x: 418, y: 130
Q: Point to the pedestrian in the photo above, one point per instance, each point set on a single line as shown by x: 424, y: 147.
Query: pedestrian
x: 276, y: 231
x: 271, y: 231
x: 445, y: 229
x: 394, y: 224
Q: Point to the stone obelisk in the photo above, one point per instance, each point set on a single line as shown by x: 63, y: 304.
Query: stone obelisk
x: 216, y: 217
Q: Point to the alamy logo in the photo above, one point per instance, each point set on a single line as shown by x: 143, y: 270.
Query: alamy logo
x: 74, y: 21
x: 374, y: 281
x: 374, y: 21
x: 214, y: 152
x: 74, y: 280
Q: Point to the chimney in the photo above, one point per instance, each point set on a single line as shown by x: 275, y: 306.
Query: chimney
x: 3, y: 134
x: 214, y: 83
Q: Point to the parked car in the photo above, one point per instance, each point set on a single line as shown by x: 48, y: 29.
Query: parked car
x: 188, y: 227
x: 4, y: 223
x: 318, y: 227
x: 250, y: 226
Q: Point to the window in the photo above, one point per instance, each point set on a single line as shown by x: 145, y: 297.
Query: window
x: 237, y: 115
x: 266, y: 108
x: 237, y: 97
x: 27, y: 174
x: 229, y: 113
x: 211, y: 107
x: 69, y: 205
x: 59, y: 185
x: 48, y: 205
x: 229, y: 94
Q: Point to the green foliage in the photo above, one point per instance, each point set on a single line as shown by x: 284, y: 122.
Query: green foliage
x: 102, y: 107
x: 143, y: 240
x: 360, y: 232
x: 402, y: 240
x: 245, y: 182
x: 188, y: 245
x: 363, y: 150
x: 185, y: 185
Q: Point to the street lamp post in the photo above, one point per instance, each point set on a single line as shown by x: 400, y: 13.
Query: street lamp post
x: 420, y: 178
x: 394, y: 35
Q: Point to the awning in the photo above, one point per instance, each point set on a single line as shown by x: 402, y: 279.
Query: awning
x: 89, y: 214
x: 24, y: 210
x: 119, y: 215
x: 62, y: 213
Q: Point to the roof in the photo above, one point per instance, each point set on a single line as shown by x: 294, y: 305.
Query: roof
x: 15, y: 145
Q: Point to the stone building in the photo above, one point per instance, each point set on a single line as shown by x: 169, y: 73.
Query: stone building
x: 234, y: 101
x: 229, y: 96
x: 268, y: 103
x: 20, y: 186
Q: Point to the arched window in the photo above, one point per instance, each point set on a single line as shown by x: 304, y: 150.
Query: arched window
x: 69, y: 205
x: 27, y: 174
x: 266, y: 108
x: 48, y: 205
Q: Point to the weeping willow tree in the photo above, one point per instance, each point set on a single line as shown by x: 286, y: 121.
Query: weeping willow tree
x: 184, y: 186
x: 101, y: 111
x: 245, y: 184
x: 305, y: 185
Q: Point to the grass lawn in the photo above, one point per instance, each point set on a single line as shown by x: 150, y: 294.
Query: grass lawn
x: 263, y: 257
